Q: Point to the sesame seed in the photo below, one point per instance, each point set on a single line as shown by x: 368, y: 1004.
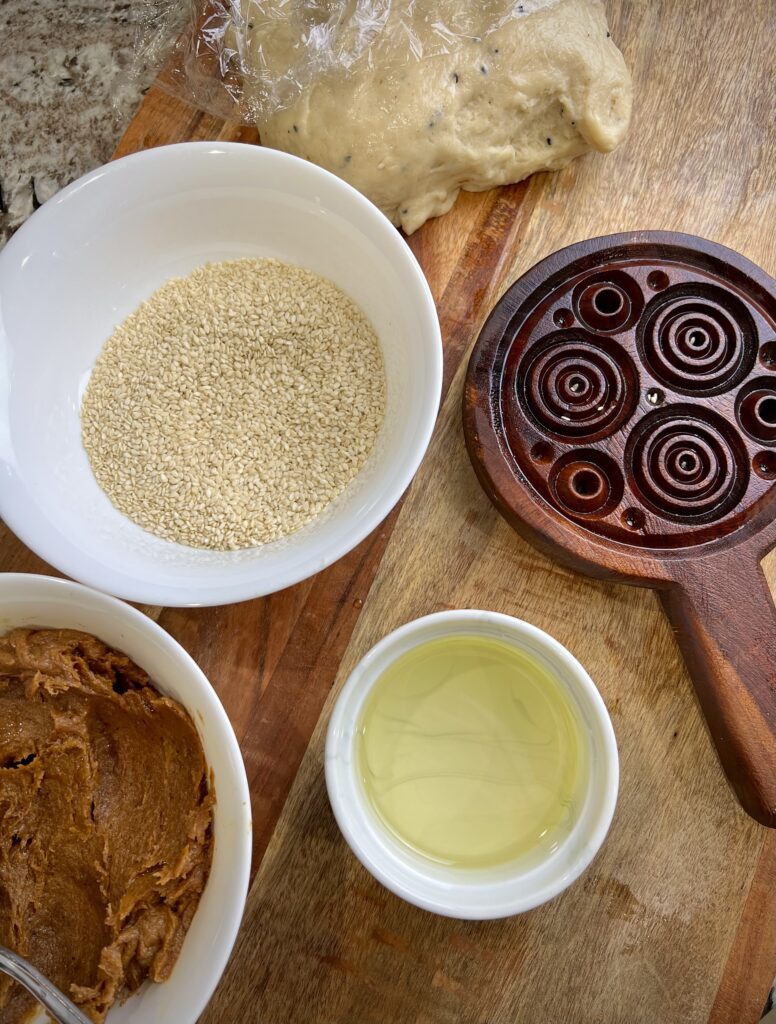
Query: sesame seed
x: 235, y: 404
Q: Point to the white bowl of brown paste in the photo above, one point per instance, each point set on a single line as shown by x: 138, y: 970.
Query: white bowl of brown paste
x: 124, y: 811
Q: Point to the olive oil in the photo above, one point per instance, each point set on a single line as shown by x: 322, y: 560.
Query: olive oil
x: 471, y: 752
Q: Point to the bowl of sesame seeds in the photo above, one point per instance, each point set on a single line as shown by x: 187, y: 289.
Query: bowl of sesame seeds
x: 221, y: 368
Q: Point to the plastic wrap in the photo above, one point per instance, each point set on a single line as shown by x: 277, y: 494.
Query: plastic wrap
x: 248, y: 59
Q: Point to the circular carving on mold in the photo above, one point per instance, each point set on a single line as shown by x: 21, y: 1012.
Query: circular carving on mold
x: 687, y: 464
x: 768, y: 355
x: 542, y: 452
x: 608, y: 302
x: 764, y: 465
x: 577, y: 386
x: 756, y: 409
x: 698, y: 340
x: 655, y: 396
x: 658, y: 280
x: 586, y: 482
x: 633, y: 518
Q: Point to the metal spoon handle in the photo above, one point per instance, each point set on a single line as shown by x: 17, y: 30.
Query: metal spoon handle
x: 48, y: 995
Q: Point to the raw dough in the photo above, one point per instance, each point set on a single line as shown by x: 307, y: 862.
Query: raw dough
x: 530, y: 96
x: 105, y: 820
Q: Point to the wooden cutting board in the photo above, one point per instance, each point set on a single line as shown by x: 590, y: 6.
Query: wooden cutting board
x: 675, y: 923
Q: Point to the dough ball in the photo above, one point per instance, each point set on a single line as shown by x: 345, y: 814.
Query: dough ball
x: 410, y: 134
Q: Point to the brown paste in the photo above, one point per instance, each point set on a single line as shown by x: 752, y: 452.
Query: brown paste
x: 105, y: 820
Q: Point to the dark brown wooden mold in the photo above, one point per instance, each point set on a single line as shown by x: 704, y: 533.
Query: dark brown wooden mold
x: 620, y: 411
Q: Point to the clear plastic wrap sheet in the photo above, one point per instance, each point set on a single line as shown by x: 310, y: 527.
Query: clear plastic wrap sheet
x: 247, y: 59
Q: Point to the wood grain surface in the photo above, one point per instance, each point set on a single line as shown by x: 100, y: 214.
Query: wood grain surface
x: 651, y: 932
x: 675, y: 923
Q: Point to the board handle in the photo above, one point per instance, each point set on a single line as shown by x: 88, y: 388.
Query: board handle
x: 725, y: 620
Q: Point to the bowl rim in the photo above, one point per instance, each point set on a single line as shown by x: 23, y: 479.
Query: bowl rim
x: 369, y: 842
x: 33, y: 586
x: 100, y: 577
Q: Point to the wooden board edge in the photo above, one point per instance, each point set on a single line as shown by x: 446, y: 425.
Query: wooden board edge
x: 753, y: 951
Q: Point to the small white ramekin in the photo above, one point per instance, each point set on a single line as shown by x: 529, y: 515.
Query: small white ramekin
x: 470, y: 893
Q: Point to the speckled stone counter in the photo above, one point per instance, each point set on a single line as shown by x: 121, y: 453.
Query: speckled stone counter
x: 65, y: 95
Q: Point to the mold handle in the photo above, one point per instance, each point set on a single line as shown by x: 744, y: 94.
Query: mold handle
x: 725, y: 620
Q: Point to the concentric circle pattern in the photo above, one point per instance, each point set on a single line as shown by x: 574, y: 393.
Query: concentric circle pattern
x: 626, y: 387
x: 578, y: 386
x: 587, y: 482
x: 687, y: 464
x: 608, y: 302
x: 700, y: 343
x: 756, y: 409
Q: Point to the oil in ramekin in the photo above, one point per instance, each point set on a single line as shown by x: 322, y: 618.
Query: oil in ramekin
x: 471, y: 752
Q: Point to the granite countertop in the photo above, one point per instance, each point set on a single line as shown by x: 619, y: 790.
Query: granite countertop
x: 65, y: 94
x: 68, y: 89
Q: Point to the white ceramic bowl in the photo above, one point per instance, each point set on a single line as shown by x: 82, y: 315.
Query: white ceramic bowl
x: 43, y: 601
x: 87, y: 258
x: 471, y: 893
